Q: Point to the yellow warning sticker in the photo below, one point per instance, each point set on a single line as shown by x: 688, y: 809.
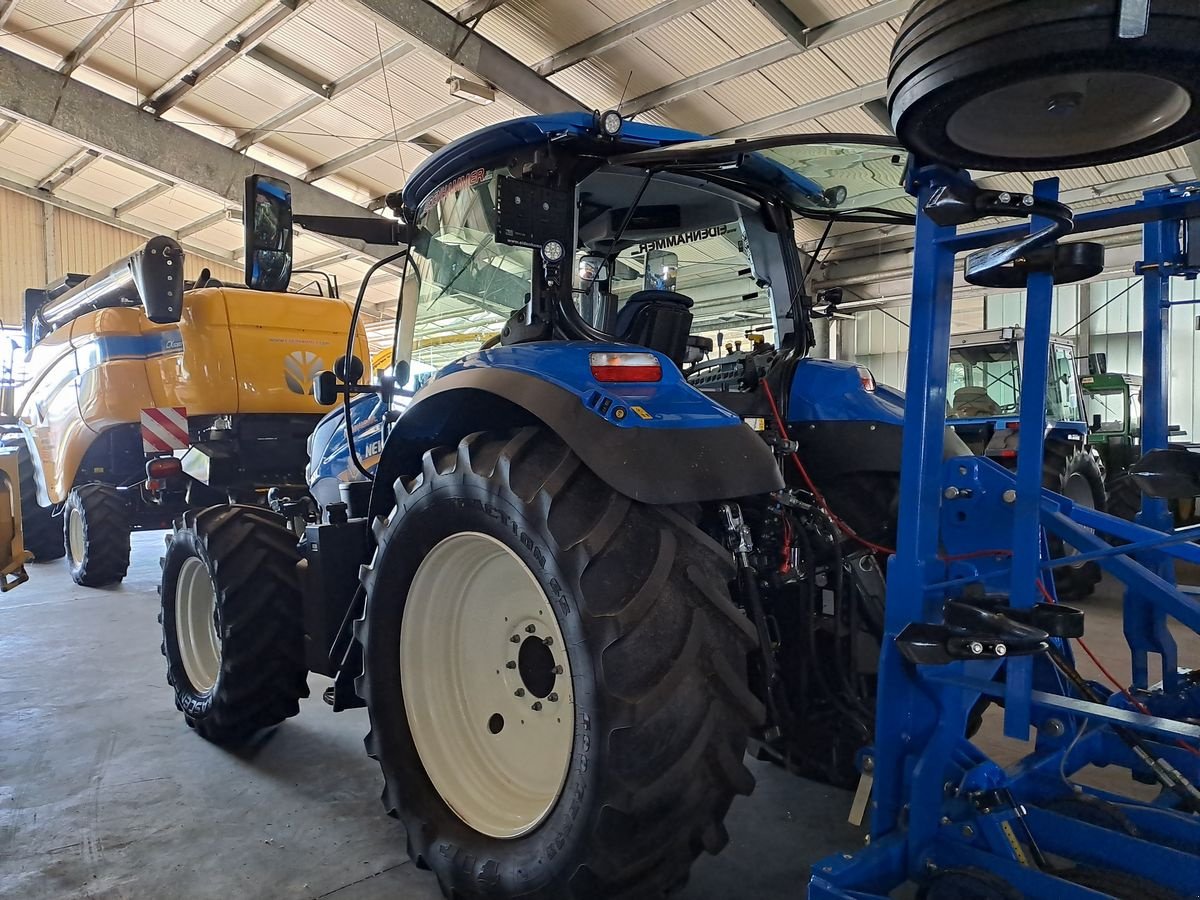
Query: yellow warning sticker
x: 756, y: 422
x: 641, y: 413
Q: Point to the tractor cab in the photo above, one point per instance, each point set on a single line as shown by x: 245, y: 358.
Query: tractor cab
x: 611, y: 231
x: 983, y: 392
x: 1114, y: 407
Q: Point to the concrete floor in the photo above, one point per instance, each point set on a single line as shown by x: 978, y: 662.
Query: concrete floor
x: 105, y: 793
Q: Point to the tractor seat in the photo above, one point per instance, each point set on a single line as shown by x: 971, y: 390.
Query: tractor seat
x: 972, y: 402
x: 659, y: 320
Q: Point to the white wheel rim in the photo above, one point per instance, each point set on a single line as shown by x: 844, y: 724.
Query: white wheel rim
x: 196, y: 626
x: 493, y: 720
x: 75, y: 541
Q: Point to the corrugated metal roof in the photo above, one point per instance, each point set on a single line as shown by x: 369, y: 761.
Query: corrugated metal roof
x: 329, y: 38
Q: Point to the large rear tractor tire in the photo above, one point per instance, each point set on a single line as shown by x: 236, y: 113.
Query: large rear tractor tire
x: 96, y: 534
x: 231, y: 621
x: 1072, y: 471
x: 556, y: 677
x: 42, y: 530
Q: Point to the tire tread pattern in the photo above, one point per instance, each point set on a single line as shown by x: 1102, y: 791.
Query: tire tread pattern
x: 667, y: 645
x: 252, y: 555
x: 106, y: 531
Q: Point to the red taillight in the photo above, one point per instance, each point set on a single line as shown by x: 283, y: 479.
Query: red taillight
x: 1007, y: 454
x: 1013, y: 426
x: 611, y: 368
x: 163, y: 467
x: 866, y: 379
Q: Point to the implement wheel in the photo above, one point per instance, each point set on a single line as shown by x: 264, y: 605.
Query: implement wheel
x: 42, y: 530
x: 231, y: 621
x: 1033, y: 85
x: 1073, y: 472
x: 96, y: 533
x: 556, y: 677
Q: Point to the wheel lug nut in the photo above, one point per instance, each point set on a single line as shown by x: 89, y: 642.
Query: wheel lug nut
x: 511, y: 664
x: 548, y: 641
x: 516, y: 639
x: 537, y: 706
x: 558, y: 670
x: 530, y: 629
x: 553, y: 698
x: 520, y: 692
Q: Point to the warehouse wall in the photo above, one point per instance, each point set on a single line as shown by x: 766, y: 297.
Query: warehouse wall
x: 878, y: 338
x: 1113, y: 311
x: 77, y: 244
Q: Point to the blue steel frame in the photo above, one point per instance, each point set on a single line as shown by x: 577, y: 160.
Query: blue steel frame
x: 938, y: 802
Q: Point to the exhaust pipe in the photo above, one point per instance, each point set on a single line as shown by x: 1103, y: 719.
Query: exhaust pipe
x: 152, y: 275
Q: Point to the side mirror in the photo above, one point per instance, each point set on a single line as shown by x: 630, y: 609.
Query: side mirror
x: 1096, y: 422
x: 355, y: 373
x: 267, y: 220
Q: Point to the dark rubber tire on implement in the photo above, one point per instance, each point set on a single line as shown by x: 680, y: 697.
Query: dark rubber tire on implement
x: 250, y: 555
x: 657, y: 657
x: 101, y: 557
x: 42, y: 530
x: 1119, y: 885
x: 1031, y: 85
x: 1063, y: 462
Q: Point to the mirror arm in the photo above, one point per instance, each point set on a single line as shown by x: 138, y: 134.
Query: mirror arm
x: 372, y: 229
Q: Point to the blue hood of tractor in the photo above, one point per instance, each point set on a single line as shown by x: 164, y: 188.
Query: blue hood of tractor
x: 487, y: 144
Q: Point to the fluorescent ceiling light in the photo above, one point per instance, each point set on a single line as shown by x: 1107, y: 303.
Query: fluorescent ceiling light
x: 471, y: 90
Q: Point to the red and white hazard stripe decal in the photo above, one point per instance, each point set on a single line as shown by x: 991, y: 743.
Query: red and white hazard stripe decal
x: 164, y: 429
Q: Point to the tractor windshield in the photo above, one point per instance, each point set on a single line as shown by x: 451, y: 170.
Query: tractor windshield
x: 668, y: 232
x: 1109, y: 407
x: 984, y: 381
x: 468, y: 284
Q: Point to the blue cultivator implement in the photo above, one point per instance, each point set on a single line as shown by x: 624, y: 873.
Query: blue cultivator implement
x: 971, y: 612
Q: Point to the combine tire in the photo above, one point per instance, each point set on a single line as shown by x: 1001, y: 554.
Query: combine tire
x: 96, y: 532
x: 1073, y: 472
x: 43, y: 532
x: 231, y: 622
x: 555, y: 674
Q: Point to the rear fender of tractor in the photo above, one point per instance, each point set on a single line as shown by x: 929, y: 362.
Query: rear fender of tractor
x: 658, y: 456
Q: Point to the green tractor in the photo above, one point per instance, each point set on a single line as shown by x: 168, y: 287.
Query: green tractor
x: 1114, y: 407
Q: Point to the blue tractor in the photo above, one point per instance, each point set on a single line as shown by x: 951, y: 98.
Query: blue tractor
x: 983, y: 401
x: 568, y: 585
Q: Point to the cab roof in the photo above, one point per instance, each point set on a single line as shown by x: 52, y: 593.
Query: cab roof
x: 482, y: 147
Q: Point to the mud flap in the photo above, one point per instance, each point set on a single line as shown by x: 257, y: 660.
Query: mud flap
x: 13, y: 554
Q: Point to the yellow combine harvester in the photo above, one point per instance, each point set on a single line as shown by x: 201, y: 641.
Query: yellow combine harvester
x: 146, y: 395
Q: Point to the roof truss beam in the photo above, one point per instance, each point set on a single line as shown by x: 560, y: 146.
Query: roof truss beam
x: 347, y: 82
x: 788, y: 23
x: 108, y: 23
x: 446, y: 36
x: 68, y: 170
x: 858, y: 96
x: 150, y: 193
x: 618, y: 34
x: 281, y: 66
x: 401, y: 135
x: 7, y: 127
x: 7, y: 8
x: 815, y: 37
x: 95, y: 119
x: 241, y: 40
x: 221, y: 215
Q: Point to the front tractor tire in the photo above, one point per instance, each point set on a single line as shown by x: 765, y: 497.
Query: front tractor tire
x: 96, y: 531
x: 1073, y: 471
x: 555, y: 674
x: 231, y: 622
